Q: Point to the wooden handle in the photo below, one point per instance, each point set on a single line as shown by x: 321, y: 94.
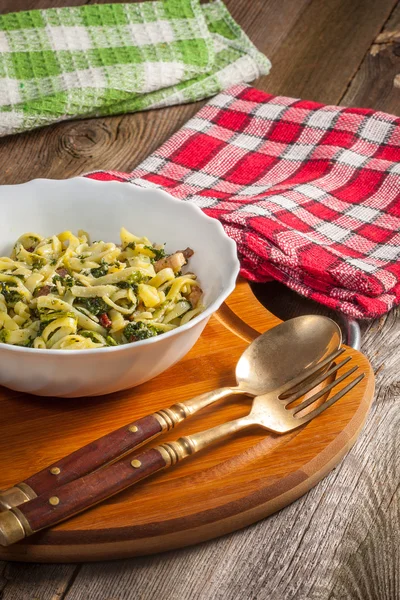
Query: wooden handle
x: 83, y: 461
x: 107, y: 449
x: 76, y: 496
x: 94, y: 455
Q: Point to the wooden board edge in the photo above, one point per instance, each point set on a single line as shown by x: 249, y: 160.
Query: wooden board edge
x: 314, y: 472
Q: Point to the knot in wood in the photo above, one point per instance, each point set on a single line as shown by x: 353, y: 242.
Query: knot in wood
x: 85, y: 139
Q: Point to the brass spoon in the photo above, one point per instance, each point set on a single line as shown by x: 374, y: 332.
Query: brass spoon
x: 277, y: 356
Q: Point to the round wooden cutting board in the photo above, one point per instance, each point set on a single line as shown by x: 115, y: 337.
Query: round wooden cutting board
x: 222, y: 489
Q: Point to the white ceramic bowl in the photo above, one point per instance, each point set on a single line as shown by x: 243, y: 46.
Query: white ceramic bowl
x: 101, y: 208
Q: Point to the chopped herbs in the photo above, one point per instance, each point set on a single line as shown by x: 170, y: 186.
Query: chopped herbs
x: 132, y: 281
x: 38, y: 263
x: 90, y: 335
x: 100, y: 271
x: 125, y: 285
x: 110, y: 341
x: 42, y: 327
x: 158, y: 252
x: 11, y: 296
x: 136, y: 331
x: 28, y: 343
x: 131, y: 245
x: 4, y: 334
x: 137, y: 277
x: 95, y: 306
x: 66, y: 281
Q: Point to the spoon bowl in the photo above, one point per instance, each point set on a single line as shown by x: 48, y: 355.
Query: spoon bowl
x: 282, y: 353
x: 272, y: 359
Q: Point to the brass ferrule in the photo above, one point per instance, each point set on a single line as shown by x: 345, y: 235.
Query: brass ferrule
x: 173, y: 452
x: 169, y: 417
x: 11, y: 528
x: 15, y: 496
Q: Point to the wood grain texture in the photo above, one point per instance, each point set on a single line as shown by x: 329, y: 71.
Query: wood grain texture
x: 341, y: 540
x: 325, y: 47
x: 225, y: 487
x: 377, y: 84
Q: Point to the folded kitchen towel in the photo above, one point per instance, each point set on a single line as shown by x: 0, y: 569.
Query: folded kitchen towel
x: 65, y: 63
x: 310, y: 193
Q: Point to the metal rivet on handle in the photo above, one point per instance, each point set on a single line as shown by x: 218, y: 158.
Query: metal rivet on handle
x: 133, y: 428
x: 136, y: 464
x: 55, y: 471
x: 54, y: 500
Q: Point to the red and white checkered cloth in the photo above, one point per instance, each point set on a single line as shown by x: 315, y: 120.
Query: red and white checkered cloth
x: 310, y: 193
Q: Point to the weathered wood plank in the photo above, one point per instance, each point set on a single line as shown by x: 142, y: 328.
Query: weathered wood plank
x: 325, y: 48
x: 35, y: 582
x: 377, y: 82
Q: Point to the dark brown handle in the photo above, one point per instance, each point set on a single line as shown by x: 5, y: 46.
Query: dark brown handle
x: 76, y: 496
x: 94, y: 455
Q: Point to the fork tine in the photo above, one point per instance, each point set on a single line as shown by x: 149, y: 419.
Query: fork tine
x: 324, y: 390
x: 320, y: 409
x: 301, y: 391
x: 309, y: 372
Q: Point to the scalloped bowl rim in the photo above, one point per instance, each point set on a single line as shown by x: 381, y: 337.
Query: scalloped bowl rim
x: 209, y: 310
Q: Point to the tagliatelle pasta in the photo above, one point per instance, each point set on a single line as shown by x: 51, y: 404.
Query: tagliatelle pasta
x: 66, y: 292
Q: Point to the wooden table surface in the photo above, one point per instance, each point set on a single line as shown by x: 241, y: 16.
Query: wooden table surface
x: 341, y: 541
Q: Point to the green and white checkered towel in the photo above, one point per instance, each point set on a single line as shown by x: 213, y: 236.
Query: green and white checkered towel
x: 95, y: 60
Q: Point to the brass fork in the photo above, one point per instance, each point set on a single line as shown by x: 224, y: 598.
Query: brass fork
x: 272, y: 411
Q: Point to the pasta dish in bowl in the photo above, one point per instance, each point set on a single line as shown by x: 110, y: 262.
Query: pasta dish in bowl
x: 66, y: 292
x: 103, y: 285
